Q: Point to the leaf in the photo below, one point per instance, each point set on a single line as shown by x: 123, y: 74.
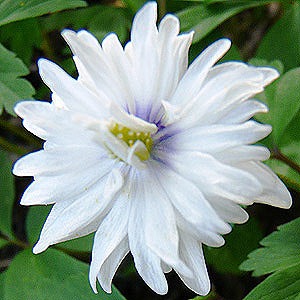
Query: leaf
x: 35, y: 220
x: 243, y: 239
x: 203, y: 19
x: 281, y: 255
x: 22, y: 37
x: 12, y: 87
x: 134, y: 5
x: 50, y: 275
x: 99, y: 19
x: 14, y: 10
x: 286, y: 102
x: 283, y: 40
x: 7, y: 195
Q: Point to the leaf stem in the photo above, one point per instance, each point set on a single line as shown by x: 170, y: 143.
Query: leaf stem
x: 15, y: 241
x: 276, y: 154
x: 6, y: 145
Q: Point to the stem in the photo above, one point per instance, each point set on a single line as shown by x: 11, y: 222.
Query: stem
x: 162, y: 8
x: 276, y: 154
x: 17, y: 242
x: 6, y: 145
x: 19, y: 132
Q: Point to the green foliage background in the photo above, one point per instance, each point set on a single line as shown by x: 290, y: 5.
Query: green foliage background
x: 264, y: 33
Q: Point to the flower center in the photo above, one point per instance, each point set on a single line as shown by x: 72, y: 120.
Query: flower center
x: 130, y: 136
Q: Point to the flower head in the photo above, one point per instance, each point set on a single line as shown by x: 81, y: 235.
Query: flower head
x: 152, y: 155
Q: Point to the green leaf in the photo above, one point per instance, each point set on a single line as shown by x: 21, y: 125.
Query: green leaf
x: 286, y: 102
x: 283, y: 40
x: 14, y: 10
x: 281, y: 255
x: 50, y: 275
x: 134, y: 5
x: 22, y: 38
x: 99, y: 19
x: 12, y: 87
x: 35, y: 220
x: 7, y: 195
x: 243, y: 239
x: 203, y: 19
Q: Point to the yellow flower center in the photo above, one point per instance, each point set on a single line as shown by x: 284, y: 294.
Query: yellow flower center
x: 129, y: 136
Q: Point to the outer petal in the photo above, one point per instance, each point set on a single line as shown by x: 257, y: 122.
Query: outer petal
x: 215, y: 178
x: 197, y: 71
x: 71, y: 219
x: 275, y: 192
x: 111, y: 265
x: 109, y: 235
x: 66, y: 186
x: 147, y: 263
x: 191, y: 252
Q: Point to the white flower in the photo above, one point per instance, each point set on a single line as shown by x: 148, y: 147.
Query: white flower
x: 153, y: 156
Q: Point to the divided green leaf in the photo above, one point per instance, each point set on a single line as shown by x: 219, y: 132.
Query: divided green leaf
x: 281, y: 255
x: 203, y: 19
x: 12, y: 87
x: 14, y: 10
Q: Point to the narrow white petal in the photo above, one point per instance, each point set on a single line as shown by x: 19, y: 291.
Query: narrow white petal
x: 111, y: 264
x: 243, y: 153
x: 65, y: 186
x: 147, y: 263
x: 219, y: 137
x: 192, y: 253
x: 243, y: 112
x: 75, y: 96
x: 109, y: 235
x: 69, y: 219
x: 275, y: 192
x: 229, y: 211
x: 197, y: 71
x: 215, y: 178
x: 192, y: 205
x: 159, y: 213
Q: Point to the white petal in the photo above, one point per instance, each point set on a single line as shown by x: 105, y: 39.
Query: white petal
x: 109, y: 235
x: 147, y: 263
x: 144, y: 37
x: 220, y: 95
x: 243, y: 153
x: 275, y: 192
x: 111, y: 264
x: 243, y: 112
x: 67, y: 185
x: 219, y: 137
x: 207, y: 237
x: 229, y: 211
x: 48, y: 122
x: 192, y: 254
x: 197, y: 71
x: 75, y: 96
x: 192, y: 205
x: 85, y: 46
x: 121, y: 68
x: 159, y: 213
x: 215, y: 178
x: 70, y: 219
x: 58, y: 161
